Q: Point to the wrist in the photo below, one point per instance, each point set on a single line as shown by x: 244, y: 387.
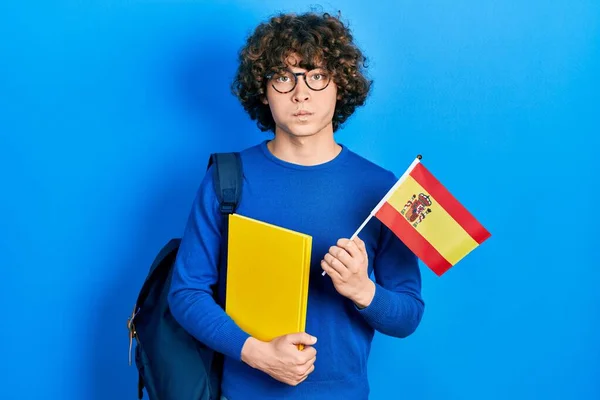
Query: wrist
x: 364, y: 298
x: 251, y: 351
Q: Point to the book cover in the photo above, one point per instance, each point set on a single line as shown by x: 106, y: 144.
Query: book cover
x: 267, y: 277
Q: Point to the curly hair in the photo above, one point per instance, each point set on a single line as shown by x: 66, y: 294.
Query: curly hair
x: 319, y: 41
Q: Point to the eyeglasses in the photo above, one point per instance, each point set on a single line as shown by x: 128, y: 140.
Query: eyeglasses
x: 285, y: 81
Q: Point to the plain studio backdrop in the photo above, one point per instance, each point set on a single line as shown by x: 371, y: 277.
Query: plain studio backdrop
x: 109, y: 110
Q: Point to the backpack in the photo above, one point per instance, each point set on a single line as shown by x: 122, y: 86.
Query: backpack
x: 172, y: 364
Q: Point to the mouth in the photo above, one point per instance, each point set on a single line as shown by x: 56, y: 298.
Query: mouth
x: 302, y: 113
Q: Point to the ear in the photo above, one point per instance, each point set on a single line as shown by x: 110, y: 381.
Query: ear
x: 264, y: 100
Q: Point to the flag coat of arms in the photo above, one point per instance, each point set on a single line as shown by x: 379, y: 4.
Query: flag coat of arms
x: 429, y: 220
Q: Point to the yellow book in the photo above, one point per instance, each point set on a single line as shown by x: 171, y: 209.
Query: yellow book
x: 267, y: 277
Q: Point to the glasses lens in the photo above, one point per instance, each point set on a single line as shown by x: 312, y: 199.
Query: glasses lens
x: 317, y: 79
x: 283, y: 81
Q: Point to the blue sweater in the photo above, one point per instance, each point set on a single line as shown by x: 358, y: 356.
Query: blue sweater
x: 328, y: 201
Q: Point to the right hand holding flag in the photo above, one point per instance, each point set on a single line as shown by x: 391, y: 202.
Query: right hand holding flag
x: 347, y: 265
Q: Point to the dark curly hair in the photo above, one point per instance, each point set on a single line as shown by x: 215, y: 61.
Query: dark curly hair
x: 320, y: 41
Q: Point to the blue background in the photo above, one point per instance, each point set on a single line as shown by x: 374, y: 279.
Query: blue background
x: 109, y: 109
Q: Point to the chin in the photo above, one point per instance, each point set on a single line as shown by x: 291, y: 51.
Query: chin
x: 304, y: 130
x: 304, y: 133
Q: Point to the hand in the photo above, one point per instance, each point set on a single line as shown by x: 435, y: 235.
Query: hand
x: 347, y: 265
x: 280, y: 358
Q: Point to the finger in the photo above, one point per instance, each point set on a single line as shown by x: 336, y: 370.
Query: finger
x: 310, y: 367
x: 304, y: 356
x: 301, y: 379
x: 303, y: 370
x: 294, y: 381
x: 351, y: 248
x: 308, y: 353
x: 336, y: 265
x: 306, y: 362
x: 301, y: 338
x: 361, y: 244
x: 347, y: 259
x: 333, y: 274
x: 342, y: 255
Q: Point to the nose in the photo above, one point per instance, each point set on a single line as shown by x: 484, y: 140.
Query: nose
x: 301, y: 92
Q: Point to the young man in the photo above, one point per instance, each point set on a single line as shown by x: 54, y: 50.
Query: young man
x: 300, y: 76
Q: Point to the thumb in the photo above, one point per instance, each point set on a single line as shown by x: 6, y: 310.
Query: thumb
x: 301, y: 338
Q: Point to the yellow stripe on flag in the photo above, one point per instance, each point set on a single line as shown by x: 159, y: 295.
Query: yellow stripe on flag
x: 438, y: 227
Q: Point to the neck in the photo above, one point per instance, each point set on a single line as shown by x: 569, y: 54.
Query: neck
x: 309, y: 150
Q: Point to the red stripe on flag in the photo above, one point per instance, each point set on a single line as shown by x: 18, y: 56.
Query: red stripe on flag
x: 391, y: 218
x: 456, y: 210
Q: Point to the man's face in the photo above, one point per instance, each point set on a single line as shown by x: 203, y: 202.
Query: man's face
x: 302, y: 112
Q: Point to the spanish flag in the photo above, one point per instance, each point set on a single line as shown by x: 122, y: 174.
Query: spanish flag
x: 429, y: 220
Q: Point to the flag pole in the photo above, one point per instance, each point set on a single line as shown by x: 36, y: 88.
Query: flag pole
x: 386, y: 197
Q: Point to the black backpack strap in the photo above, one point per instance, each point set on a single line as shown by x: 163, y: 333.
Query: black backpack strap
x: 140, y: 386
x: 227, y: 179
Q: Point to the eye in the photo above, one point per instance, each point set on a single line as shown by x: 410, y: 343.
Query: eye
x: 318, y: 76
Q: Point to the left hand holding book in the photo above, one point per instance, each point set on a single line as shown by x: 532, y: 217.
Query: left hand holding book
x: 280, y: 357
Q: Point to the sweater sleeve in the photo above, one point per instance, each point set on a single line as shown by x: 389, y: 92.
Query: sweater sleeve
x: 397, y: 307
x: 196, y: 271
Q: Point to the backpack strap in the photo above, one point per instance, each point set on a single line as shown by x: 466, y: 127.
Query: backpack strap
x: 227, y: 180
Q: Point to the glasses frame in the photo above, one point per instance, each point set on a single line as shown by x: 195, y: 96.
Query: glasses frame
x: 296, y: 75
